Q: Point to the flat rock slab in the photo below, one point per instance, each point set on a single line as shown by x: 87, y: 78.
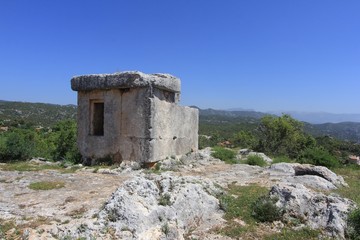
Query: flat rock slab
x: 82, y: 195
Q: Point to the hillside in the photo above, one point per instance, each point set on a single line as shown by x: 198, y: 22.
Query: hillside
x: 38, y: 114
x: 228, y: 122
x: 219, y: 121
x: 349, y: 131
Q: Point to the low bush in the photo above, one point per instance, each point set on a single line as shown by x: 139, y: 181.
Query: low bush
x: 265, y: 210
x: 354, y: 224
x: 318, y: 156
x: 165, y: 200
x: 224, y: 154
x: 255, y: 160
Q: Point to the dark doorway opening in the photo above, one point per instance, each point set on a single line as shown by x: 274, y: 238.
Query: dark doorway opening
x: 98, y: 119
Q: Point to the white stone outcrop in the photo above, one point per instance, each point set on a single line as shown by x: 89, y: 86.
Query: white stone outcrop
x: 157, y: 207
x: 313, y: 209
x: 316, y: 177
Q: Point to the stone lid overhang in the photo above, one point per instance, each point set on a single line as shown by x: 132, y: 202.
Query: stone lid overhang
x: 128, y: 79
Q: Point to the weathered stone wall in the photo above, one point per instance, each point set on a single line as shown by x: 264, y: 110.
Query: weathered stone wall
x: 124, y: 125
x: 175, y: 129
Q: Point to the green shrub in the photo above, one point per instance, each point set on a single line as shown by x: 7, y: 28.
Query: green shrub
x: 165, y: 200
x: 282, y: 136
x: 244, y: 139
x: 265, y: 209
x: 18, y: 144
x: 354, y: 224
x: 25, y: 143
x: 224, y: 154
x: 64, y: 139
x: 318, y: 156
x: 256, y: 160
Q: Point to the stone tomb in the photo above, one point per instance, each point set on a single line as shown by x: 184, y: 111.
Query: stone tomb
x: 132, y: 116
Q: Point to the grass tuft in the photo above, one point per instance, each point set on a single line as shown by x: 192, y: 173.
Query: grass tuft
x: 237, y: 204
x: 165, y: 200
x: 256, y: 160
x: 290, y: 234
x: 224, y: 154
x: 46, y: 185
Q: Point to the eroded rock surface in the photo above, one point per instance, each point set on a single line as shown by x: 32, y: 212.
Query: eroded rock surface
x: 313, y: 209
x: 156, y: 207
x: 316, y: 177
x: 176, y: 201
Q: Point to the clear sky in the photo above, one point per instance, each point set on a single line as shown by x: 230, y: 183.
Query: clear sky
x: 301, y: 55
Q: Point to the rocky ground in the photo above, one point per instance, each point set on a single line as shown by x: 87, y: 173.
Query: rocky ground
x: 177, y: 200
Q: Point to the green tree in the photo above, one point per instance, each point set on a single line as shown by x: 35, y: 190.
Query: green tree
x: 18, y: 144
x: 244, y: 139
x: 283, y: 136
x: 64, y: 140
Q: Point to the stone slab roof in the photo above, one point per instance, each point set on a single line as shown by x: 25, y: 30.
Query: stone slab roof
x: 128, y: 79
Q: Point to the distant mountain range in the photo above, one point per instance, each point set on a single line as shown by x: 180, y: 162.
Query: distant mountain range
x: 310, y: 117
x: 349, y: 131
x: 321, y: 117
x: 42, y: 114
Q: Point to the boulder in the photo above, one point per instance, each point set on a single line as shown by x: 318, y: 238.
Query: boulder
x: 307, y: 169
x: 161, y: 207
x: 317, y: 177
x: 313, y: 209
x: 311, y: 181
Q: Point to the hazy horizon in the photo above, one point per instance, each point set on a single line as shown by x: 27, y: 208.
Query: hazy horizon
x: 220, y: 109
x: 264, y: 55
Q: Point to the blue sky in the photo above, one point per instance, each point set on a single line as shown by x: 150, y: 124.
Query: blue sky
x: 301, y: 55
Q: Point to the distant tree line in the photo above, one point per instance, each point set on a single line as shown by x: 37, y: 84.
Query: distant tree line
x: 275, y: 136
x: 283, y: 137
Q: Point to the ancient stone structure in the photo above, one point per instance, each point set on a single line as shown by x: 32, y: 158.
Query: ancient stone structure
x: 133, y: 116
